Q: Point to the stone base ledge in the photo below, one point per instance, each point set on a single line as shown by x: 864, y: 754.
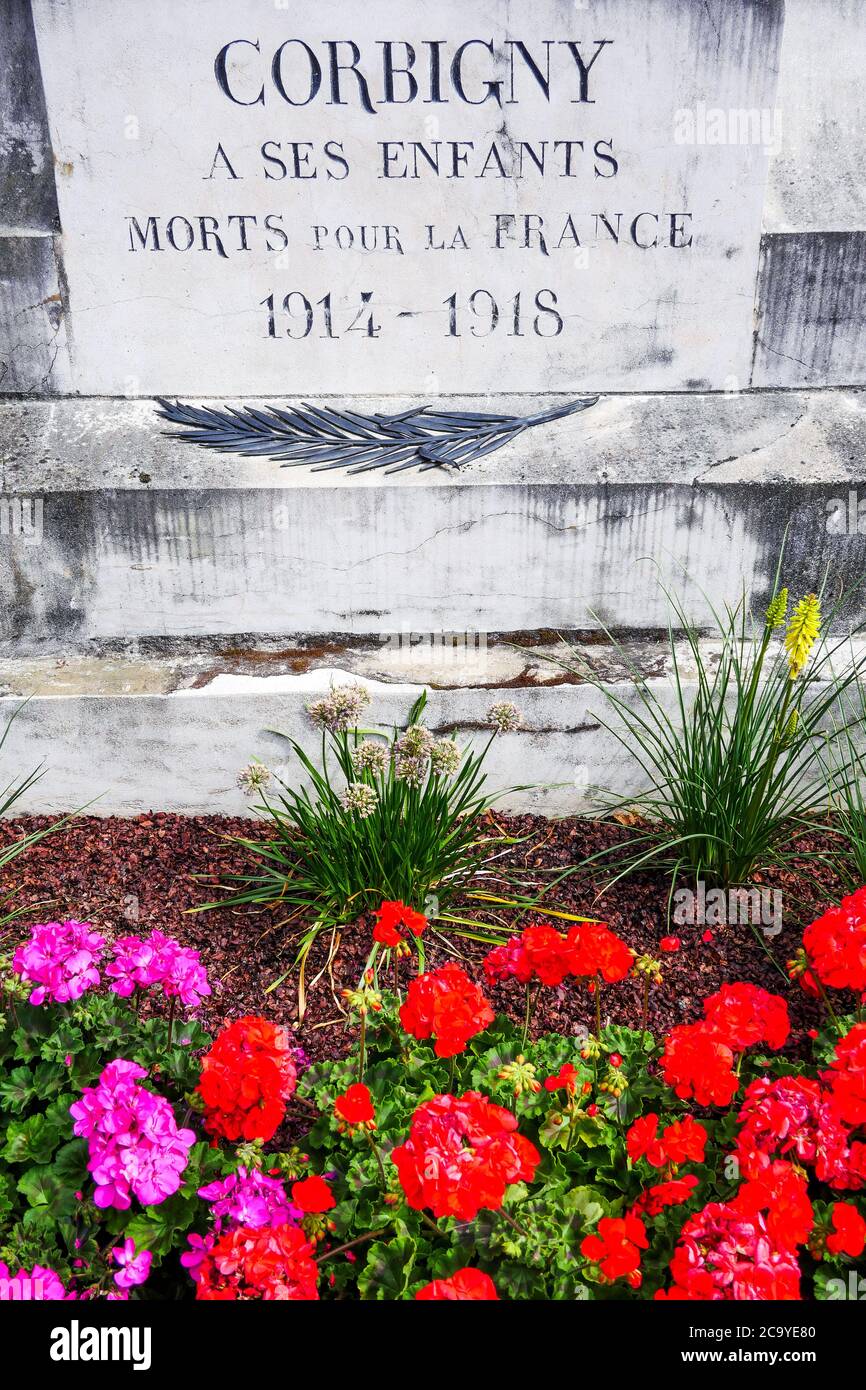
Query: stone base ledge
x: 80, y: 444
x: 125, y: 736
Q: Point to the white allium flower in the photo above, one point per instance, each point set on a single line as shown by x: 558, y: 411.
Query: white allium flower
x: 340, y: 708
x: 412, y: 770
x: 370, y: 756
x: 252, y: 778
x: 445, y: 757
x: 504, y: 716
x: 415, y: 742
x: 360, y: 799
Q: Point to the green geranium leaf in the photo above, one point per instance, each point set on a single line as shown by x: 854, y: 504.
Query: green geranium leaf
x: 33, y: 1140
x: 48, y: 1193
x: 388, y: 1270
x: 17, y: 1090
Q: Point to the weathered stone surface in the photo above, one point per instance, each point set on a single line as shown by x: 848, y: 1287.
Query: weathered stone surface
x: 28, y: 202
x: 175, y: 563
x: 568, y: 528
x: 183, y: 752
x: 174, y: 747
x: 33, y: 339
x: 741, y: 436
x: 816, y: 179
x: 645, y: 277
x: 811, y: 314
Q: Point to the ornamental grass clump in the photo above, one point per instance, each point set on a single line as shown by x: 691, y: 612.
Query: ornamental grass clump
x: 735, y: 763
x: 391, y: 816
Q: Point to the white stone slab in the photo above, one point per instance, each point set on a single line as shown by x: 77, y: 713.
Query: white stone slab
x: 142, y: 129
x: 816, y: 181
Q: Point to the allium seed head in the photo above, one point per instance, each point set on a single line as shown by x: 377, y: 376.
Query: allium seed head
x: 445, y: 757
x: 413, y: 771
x: 370, y: 756
x: 253, y: 777
x: 504, y: 717
x: 414, y: 742
x: 360, y: 799
x: 340, y: 709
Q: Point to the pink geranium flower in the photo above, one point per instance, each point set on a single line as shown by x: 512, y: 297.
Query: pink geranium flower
x: 136, y: 1149
x: 140, y: 962
x: 134, y: 1268
x: 61, y: 959
x: 35, y: 1285
x: 249, y: 1198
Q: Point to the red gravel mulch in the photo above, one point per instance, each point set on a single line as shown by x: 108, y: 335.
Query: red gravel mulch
x: 128, y: 875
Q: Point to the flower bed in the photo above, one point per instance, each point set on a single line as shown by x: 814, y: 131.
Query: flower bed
x: 449, y: 1156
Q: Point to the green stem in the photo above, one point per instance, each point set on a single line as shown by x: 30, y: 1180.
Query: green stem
x: 451, y: 1071
x: 338, y: 1250
x: 171, y: 1008
x: 510, y: 1219
x: 832, y: 1012
x: 527, y: 1014
x: 597, y: 1009
x: 362, y: 1050
x: 374, y: 1146
x: 394, y: 1034
x: 571, y: 1119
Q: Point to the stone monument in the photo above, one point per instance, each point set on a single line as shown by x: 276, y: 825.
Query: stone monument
x: 245, y: 209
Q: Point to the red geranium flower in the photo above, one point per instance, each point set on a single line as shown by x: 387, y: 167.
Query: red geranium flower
x: 596, y: 950
x: 847, y: 1077
x: 744, y: 1014
x: 445, y: 1004
x: 792, y: 1117
x: 508, y: 962
x: 546, y: 950
x: 679, y: 1142
x: 835, y: 944
x: 665, y: 1194
x: 355, y: 1106
x: 390, y: 917
x: 670, y: 943
x: 540, y: 952
x: 246, y: 1079
x: 565, y: 1079
x: 699, y: 1065
x: 684, y: 1141
x: 461, y: 1155
x: 642, y: 1141
x: 724, y: 1254
x: 269, y: 1262
x: 466, y: 1284
x: 313, y: 1195
x: 616, y: 1247
x: 849, y: 1231
x: 780, y: 1192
